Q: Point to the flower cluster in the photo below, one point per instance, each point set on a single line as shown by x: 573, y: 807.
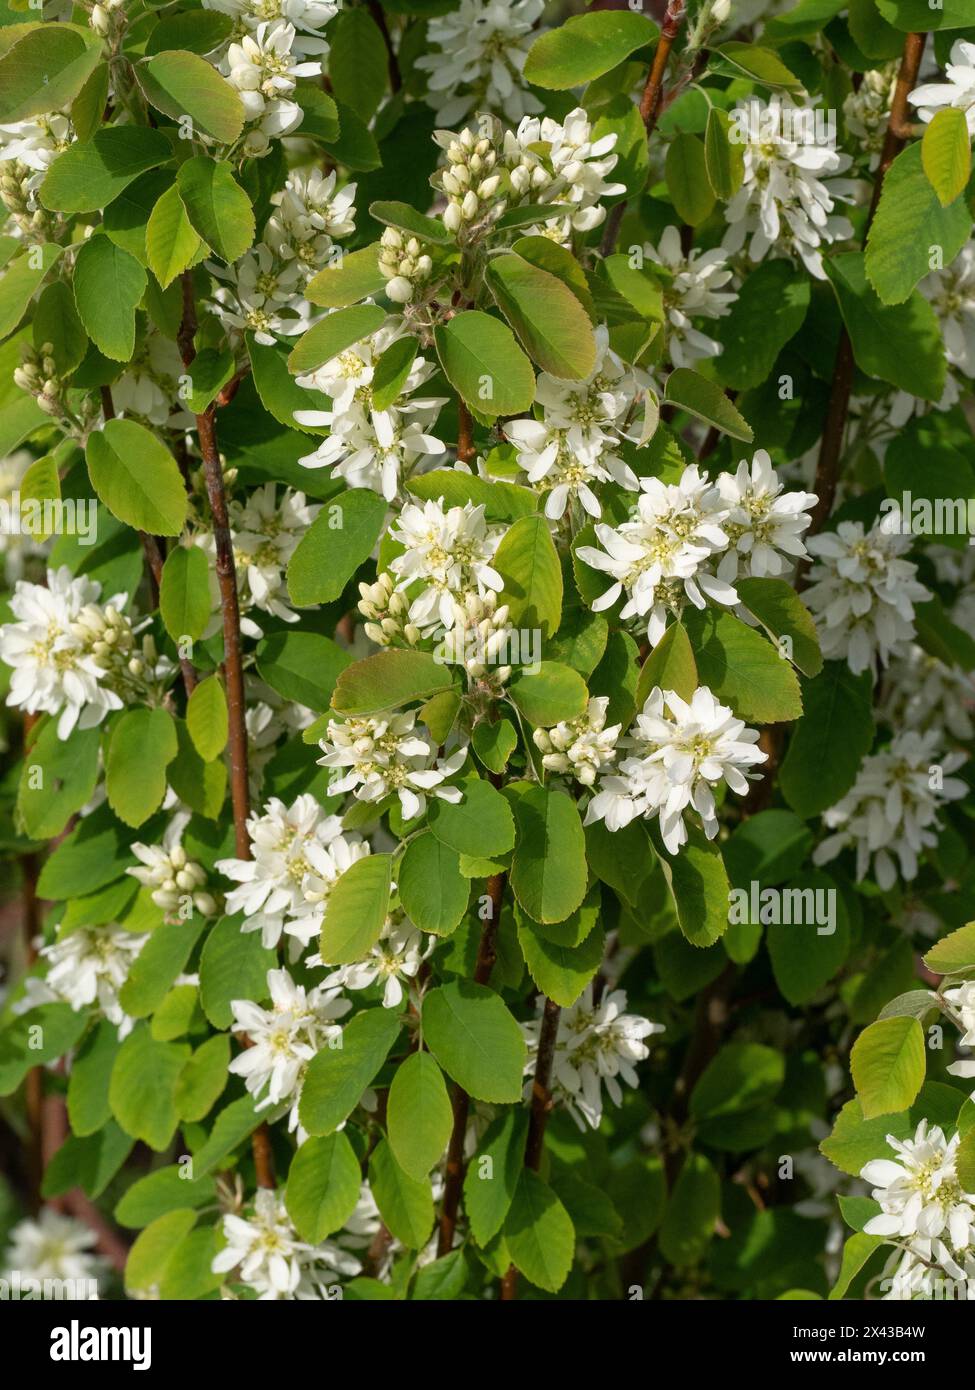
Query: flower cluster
x: 482, y: 48
x: 86, y: 966
x: 580, y: 748
x: 447, y: 551
x: 678, y: 752
x: 597, y: 1046
x: 265, y: 1251
x: 177, y: 882
x: 264, y: 66
x: 375, y: 757
x: 696, y: 289
x: 863, y: 593
x: 890, y: 814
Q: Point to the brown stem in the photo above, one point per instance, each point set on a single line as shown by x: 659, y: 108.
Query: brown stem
x: 541, y: 1108
x: 34, y: 1086
x: 233, y: 661
x: 649, y: 103
x: 460, y: 1100
x: 379, y: 15
x: 465, y: 433
x: 834, y: 430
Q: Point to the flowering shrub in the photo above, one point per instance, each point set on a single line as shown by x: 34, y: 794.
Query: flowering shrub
x: 487, y: 648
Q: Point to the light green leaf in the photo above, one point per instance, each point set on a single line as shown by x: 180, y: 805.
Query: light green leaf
x: 338, y: 541
x: 670, y: 665
x: 301, y: 666
x: 912, y: 218
x: 432, y: 889
x: 57, y: 778
x: 323, y: 1186
x: 20, y: 281
x: 92, y: 173
x: 44, y: 68
x: 353, y: 276
x: 233, y: 965
x: 419, y: 1117
x: 389, y: 679
x: 585, y: 47
x: 480, y: 824
x: 143, y: 1086
x: 405, y: 1204
x: 539, y: 1233
x: 181, y: 84
x: 548, y: 872
x: 56, y: 322
x: 207, y: 718
x: 137, y: 478
x: 560, y: 972
x: 108, y: 287
x: 490, y: 1188
x: 476, y: 1040
x: 485, y: 365
x: 171, y: 242
x: 686, y: 172
x: 761, y: 64
x: 742, y: 668
x: 184, y: 594
x: 203, y: 1079
x: 335, y: 333
x: 953, y: 952
x: 724, y: 159
x: 553, y: 326
x: 704, y: 399
x: 142, y: 747
x: 219, y: 210
x: 337, y: 1076
x: 946, y: 154
x: 356, y: 909
x: 528, y: 563
x: 783, y: 615
x: 549, y: 694
x: 887, y: 1062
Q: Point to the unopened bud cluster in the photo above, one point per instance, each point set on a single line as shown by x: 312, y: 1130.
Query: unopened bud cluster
x: 38, y: 375
x: 478, y: 638
x: 107, y: 17
x: 404, y: 264
x: 386, y: 611
x: 17, y: 182
x: 580, y: 747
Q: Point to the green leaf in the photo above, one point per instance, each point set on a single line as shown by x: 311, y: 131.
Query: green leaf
x: 783, y: 614
x: 528, y: 563
x: 692, y: 1212
x: 181, y: 84
x: 44, y: 68
x: 946, y: 154
x: 489, y: 1187
x: 698, y: 885
x: 92, y: 173
x: 143, y: 1086
x: 405, y: 1204
x: 235, y: 1123
x: 302, y: 666
x: 353, y: 276
x: 419, y: 1117
x: 856, y: 1252
x: 432, y: 889
x: 338, y: 541
x: 203, y: 1079
x: 89, y: 1163
x: 837, y: 715
x: 706, y: 401
x: 406, y: 219
x: 337, y: 1076
x: 549, y: 694
x: 670, y: 666
x: 162, y: 1191
x: 358, y: 61
x: 155, y: 1247
x: 389, y: 679
x: 476, y: 1040
x: 233, y: 965
x: 323, y: 1186
x: 501, y: 501
x: 137, y: 478
x: 200, y: 784
x: 89, y: 105
x: 481, y: 824
x: 878, y: 331
x: 142, y: 747
x: 20, y: 282
x: 965, y: 1162
x: 219, y: 210
x: 887, y: 1062
x: 55, y: 1027
x: 335, y: 333
x: 742, y: 1076
x: 211, y: 369
x: 91, y: 1070
x: 279, y: 392
x: 56, y: 322
x: 553, y: 326
x: 539, y: 1232
x: 560, y: 972
x: 184, y: 594
x: 171, y: 242
x: 806, y: 953
x: 953, y: 952
x: 548, y: 872
x: 919, y: 16
x: 911, y: 219
x: 751, y: 60
x: 724, y: 159
x: 164, y: 956
x: 356, y: 909
x: 741, y: 667
x: 688, y: 184
x: 108, y: 287
x: 57, y: 778
x: 769, y: 311
x: 585, y: 47
x: 485, y: 365
x: 207, y: 718
x: 198, y: 31
x: 560, y: 262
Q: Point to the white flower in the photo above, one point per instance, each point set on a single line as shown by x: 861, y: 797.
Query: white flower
x: 269, y: 1256
x: 957, y: 94
x: 404, y: 264
x: 483, y: 45
x: 298, y: 853
x: 449, y: 551
x: 867, y: 110
x: 65, y: 651
x: 763, y: 519
x: 262, y: 66
x: 34, y: 143
x: 579, y: 164
x: 921, y: 692
x: 679, y: 753
x: 89, y: 966
x: 149, y: 386
x: 663, y: 555
x: 378, y: 755
x: 267, y: 529
x: 482, y: 640
x: 580, y: 748
x: 52, y: 1246
x: 310, y: 212
x: 284, y: 1038
x: 962, y: 1001
x: 396, y: 956
x: 305, y: 15
x: 173, y: 878
x: 919, y: 1192
x: 695, y: 291
x: 891, y: 811
x: 789, y: 191
x: 264, y: 295
x: 863, y: 594
x: 16, y: 547
x: 951, y: 293
x: 596, y: 1045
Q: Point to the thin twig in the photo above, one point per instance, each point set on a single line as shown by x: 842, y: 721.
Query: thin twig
x: 465, y: 433
x: 233, y: 661
x: 486, y: 956
x: 379, y: 15
x: 649, y: 104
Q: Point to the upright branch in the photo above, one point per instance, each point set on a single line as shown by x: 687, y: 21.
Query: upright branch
x: 650, y: 103
x: 486, y: 956
x: 465, y: 433
x: 233, y: 663
x: 834, y: 429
